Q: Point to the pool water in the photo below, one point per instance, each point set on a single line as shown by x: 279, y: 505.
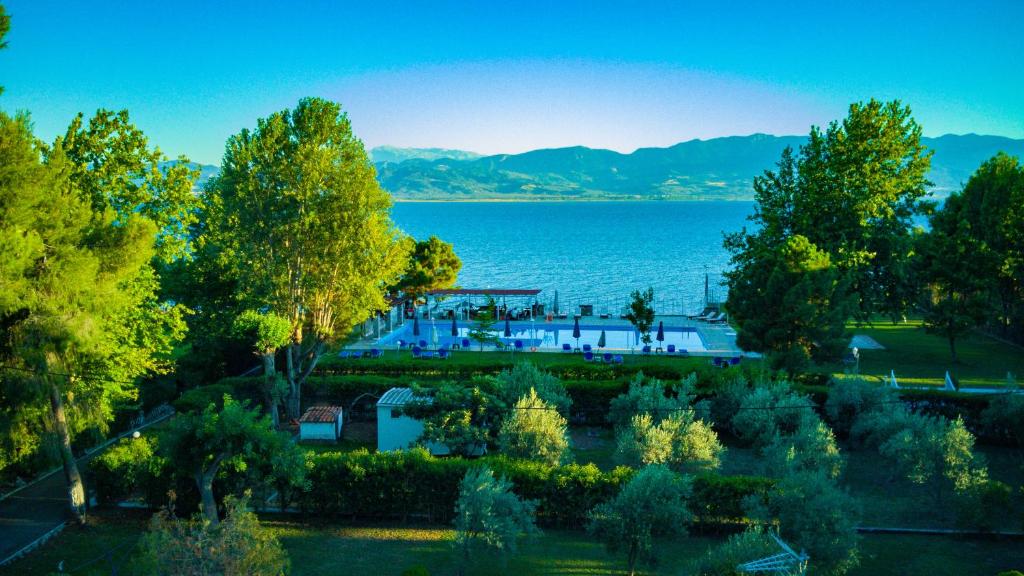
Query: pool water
x: 544, y: 336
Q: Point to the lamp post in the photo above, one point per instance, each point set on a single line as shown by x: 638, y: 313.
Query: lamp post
x: 856, y: 359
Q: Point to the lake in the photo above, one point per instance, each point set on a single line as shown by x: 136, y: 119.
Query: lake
x: 590, y: 252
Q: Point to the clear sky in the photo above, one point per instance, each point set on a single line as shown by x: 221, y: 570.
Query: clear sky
x: 508, y: 76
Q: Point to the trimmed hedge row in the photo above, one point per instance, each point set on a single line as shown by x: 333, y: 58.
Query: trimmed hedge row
x: 389, y: 485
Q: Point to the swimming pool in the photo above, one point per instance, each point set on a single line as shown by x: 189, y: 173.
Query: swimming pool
x: 545, y: 336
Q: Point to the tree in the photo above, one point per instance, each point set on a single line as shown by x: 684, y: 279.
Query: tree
x: 512, y: 384
x: 239, y: 546
x: 1004, y: 417
x: 850, y: 398
x: 235, y: 438
x: 647, y: 396
x: 488, y: 513
x: 641, y: 313
x: 769, y: 411
x: 266, y: 333
x: 482, y: 330
x: 790, y: 303
x: 812, y: 447
x: 298, y: 207
x: 534, y: 430
x: 652, y: 504
x: 679, y: 441
x: 463, y: 416
x: 850, y: 192
x: 433, y: 265
x: 935, y: 452
x: 951, y: 264
x: 813, y: 514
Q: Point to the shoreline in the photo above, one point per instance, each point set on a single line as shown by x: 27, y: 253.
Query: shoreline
x: 558, y: 200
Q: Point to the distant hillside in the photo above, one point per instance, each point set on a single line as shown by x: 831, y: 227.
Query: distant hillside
x: 715, y: 169
x: 206, y: 171
x: 383, y: 154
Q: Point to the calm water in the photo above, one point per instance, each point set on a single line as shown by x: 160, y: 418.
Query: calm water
x: 591, y: 252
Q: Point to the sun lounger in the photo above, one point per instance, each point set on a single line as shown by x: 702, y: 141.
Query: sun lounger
x: 671, y: 349
x: 683, y: 352
x: 375, y: 353
x: 720, y: 319
x: 703, y: 314
x: 646, y: 350
x: 465, y: 342
x: 618, y: 359
x: 566, y: 348
x: 607, y: 357
x: 587, y: 348
x: 588, y: 356
x: 417, y: 352
x: 734, y: 361
x: 718, y: 362
x: 442, y: 354
x: 343, y: 354
x: 423, y: 343
x: 519, y: 345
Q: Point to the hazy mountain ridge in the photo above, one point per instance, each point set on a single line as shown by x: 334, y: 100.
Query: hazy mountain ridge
x: 714, y: 169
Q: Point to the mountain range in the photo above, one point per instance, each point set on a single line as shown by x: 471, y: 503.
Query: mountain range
x: 713, y: 169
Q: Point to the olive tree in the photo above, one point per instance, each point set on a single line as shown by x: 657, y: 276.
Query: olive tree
x: 534, y: 430
x: 488, y: 513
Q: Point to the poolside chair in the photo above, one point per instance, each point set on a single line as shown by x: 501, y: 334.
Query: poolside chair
x: 442, y: 354
x: 343, y: 354
x: 671, y: 349
x: 718, y: 362
x: 704, y: 313
x: 518, y: 345
x: 375, y: 353
x: 734, y: 361
x: 720, y: 319
x: 708, y: 317
x: 646, y: 350
x: 617, y: 359
x: 683, y: 352
x: 566, y: 348
x: 423, y: 343
x: 588, y: 356
x: 465, y: 342
x: 607, y: 357
x: 587, y: 348
x: 417, y: 352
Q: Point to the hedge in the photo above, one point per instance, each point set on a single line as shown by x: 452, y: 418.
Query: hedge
x: 389, y: 485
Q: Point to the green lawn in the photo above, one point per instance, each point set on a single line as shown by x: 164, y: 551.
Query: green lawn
x: 919, y: 358
x: 329, y: 550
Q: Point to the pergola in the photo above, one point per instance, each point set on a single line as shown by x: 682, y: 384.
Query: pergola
x: 469, y: 297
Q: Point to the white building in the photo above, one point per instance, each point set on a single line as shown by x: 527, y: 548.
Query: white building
x: 321, y: 423
x: 397, y: 431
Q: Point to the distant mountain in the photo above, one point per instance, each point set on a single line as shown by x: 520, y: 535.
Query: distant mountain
x: 382, y: 154
x: 206, y: 171
x: 715, y: 169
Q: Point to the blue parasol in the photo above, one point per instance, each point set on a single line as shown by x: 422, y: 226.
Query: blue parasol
x: 601, y: 342
x: 416, y: 325
x: 661, y: 334
x: 455, y: 327
x: 508, y: 328
x: 576, y: 331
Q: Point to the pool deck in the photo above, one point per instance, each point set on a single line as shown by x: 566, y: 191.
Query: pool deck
x: 719, y: 339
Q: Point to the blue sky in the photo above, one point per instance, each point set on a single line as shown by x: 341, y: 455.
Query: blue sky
x: 511, y: 76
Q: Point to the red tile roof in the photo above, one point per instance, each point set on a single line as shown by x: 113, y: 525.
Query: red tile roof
x: 320, y: 414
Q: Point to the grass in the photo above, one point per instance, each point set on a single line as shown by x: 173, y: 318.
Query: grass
x: 326, y: 550
x: 922, y: 359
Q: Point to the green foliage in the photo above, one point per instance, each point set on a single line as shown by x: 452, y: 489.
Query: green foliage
x: 768, y: 411
x: 525, y: 376
x: 722, y: 560
x: 653, y: 504
x: 305, y: 228
x: 433, y: 265
x: 238, y: 546
x: 790, y: 302
x: 1004, y: 418
x: 489, y: 513
x: 125, y: 467
x: 534, y: 430
x: 647, y: 396
x: 482, y: 330
x: 980, y: 506
x: 720, y: 500
x: 235, y: 437
x: 264, y: 331
x: 814, y: 514
x: 850, y: 398
x: 811, y: 447
x: 679, y: 441
x: 641, y: 313
x: 462, y: 416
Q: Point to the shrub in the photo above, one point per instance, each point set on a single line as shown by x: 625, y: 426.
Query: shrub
x: 126, y: 467
x: 534, y: 430
x: 722, y: 560
x: 981, y: 505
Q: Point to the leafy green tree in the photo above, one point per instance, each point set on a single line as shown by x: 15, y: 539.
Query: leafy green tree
x: 851, y: 192
x: 238, y: 546
x: 488, y: 513
x: 266, y: 332
x: 647, y: 396
x: 952, y: 262
x: 641, y: 313
x: 297, y: 206
x: 463, y: 416
x: 233, y: 437
x: 651, y: 505
x: 935, y: 452
x: 722, y: 560
x: 768, y: 411
x: 679, y: 441
x: 811, y: 447
x: 512, y: 384
x: 433, y: 265
x: 814, y: 514
x: 534, y: 430
x: 482, y: 330
x: 850, y: 398
x: 1004, y: 417
x: 790, y: 303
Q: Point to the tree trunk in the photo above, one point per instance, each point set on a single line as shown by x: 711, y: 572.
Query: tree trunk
x: 631, y: 560
x: 204, y: 481
x: 76, y: 490
x: 952, y: 348
x: 300, y: 366
x: 269, y: 373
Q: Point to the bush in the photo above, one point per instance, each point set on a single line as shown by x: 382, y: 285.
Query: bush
x: 126, y: 467
x: 719, y: 500
x: 981, y: 505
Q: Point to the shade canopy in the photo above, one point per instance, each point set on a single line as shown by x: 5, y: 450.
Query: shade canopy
x: 661, y: 332
x: 508, y: 328
x: 601, y: 342
x: 576, y: 328
x: 416, y: 325
x: 455, y: 327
